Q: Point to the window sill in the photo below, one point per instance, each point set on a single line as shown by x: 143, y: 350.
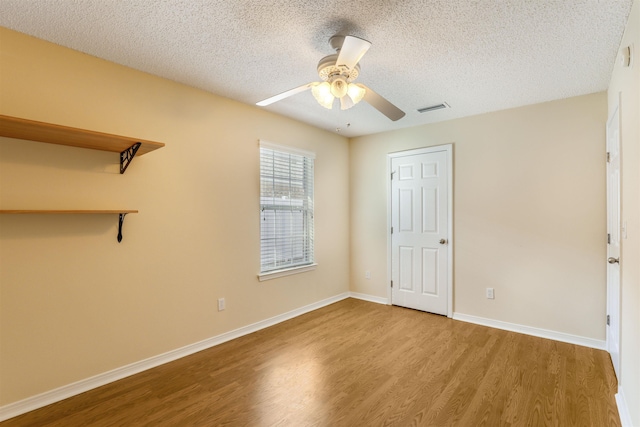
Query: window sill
x: 285, y: 272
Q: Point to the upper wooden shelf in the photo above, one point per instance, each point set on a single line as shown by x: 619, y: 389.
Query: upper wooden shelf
x: 31, y: 130
x: 14, y: 127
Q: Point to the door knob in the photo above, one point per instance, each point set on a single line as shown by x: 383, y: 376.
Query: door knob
x: 613, y: 260
x: 443, y: 241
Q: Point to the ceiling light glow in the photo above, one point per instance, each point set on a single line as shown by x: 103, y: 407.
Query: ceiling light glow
x: 322, y: 93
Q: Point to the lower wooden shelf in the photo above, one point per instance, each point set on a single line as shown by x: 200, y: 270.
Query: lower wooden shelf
x: 67, y: 211
x: 121, y: 213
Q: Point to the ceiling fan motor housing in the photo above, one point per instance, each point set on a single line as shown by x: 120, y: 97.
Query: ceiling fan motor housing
x: 327, y: 69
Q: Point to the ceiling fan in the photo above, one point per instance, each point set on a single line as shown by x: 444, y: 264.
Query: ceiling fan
x: 338, y: 71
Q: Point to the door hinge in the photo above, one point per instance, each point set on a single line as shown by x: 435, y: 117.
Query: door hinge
x: 392, y: 283
x: 608, y: 157
x: 608, y: 320
x: 392, y: 175
x: 391, y: 230
x: 608, y: 238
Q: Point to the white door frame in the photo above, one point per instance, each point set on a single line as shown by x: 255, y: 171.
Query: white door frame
x: 613, y: 306
x: 449, y: 150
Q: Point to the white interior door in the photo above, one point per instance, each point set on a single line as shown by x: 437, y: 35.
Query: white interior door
x: 613, y: 238
x: 420, y: 229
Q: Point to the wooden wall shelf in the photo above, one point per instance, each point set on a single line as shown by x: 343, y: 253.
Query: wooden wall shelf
x: 67, y: 211
x: 31, y: 130
x: 14, y: 127
x: 121, y: 213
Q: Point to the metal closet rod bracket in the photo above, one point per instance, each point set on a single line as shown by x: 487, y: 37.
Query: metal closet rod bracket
x: 127, y: 156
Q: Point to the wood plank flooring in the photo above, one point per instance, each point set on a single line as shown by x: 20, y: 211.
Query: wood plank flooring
x: 356, y: 363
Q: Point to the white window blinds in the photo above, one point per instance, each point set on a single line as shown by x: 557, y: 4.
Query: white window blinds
x: 286, y: 207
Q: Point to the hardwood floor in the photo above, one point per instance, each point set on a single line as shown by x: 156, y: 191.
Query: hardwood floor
x: 356, y: 363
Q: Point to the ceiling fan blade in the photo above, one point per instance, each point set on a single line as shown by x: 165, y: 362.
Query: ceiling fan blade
x: 382, y: 105
x: 284, y: 95
x: 352, y: 50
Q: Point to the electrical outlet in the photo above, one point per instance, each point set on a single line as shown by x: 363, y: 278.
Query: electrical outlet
x: 367, y: 274
x: 490, y: 293
x: 221, y: 304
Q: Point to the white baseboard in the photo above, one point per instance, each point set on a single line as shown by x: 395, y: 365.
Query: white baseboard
x: 31, y: 403
x: 530, y: 330
x: 623, y: 409
x: 370, y: 298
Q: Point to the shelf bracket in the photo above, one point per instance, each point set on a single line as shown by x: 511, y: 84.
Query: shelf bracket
x: 127, y: 156
x: 120, y: 222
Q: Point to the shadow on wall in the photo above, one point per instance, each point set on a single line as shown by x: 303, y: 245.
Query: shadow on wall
x: 53, y: 226
x: 58, y: 157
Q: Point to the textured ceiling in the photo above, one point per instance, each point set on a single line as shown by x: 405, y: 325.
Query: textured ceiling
x: 475, y: 55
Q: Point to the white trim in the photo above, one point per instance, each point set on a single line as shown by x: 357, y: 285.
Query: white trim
x: 433, y: 149
x: 286, y: 272
x: 31, y: 403
x: 370, y: 298
x: 286, y: 149
x: 450, y: 228
x: 530, y: 330
x: 623, y: 409
x: 389, y: 225
x: 613, y: 305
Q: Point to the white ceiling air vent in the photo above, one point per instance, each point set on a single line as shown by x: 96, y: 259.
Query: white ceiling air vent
x: 433, y: 108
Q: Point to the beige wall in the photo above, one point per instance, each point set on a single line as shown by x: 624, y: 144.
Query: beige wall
x: 529, y: 212
x: 74, y: 302
x: 625, y: 88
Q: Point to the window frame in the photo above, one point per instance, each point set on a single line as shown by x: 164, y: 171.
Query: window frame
x: 309, y: 232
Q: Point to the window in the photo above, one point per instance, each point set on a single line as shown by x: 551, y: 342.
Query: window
x: 286, y: 210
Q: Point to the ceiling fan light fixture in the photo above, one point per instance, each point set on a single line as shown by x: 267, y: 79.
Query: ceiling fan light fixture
x: 339, y: 87
x: 356, y: 92
x: 337, y: 72
x: 322, y: 93
x: 346, y: 102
